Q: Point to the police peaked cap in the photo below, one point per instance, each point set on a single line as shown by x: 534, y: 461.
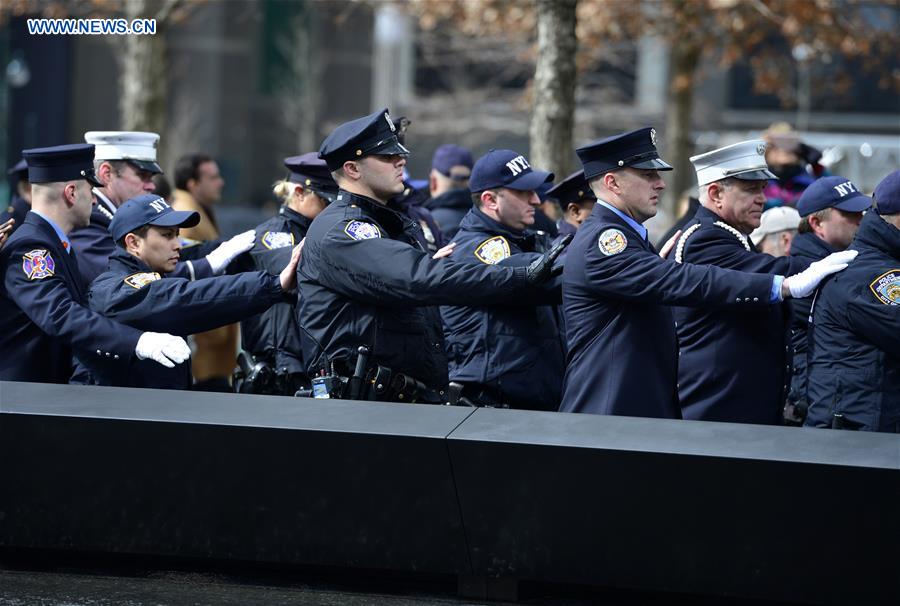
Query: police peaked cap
x: 573, y: 188
x: 309, y: 170
x: 372, y: 135
x: 61, y: 163
x: 636, y: 149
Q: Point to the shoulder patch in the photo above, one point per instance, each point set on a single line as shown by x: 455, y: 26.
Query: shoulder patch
x: 38, y: 264
x: 277, y: 239
x: 493, y: 250
x: 612, y: 242
x: 886, y: 287
x: 140, y: 280
x: 360, y: 230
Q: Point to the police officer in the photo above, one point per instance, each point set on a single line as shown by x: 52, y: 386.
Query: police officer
x: 273, y: 337
x: 735, y: 363
x: 576, y: 200
x: 133, y: 292
x: 125, y: 163
x: 43, y: 315
x: 20, y: 200
x: 505, y: 355
x: 364, y: 279
x: 831, y: 210
x: 448, y: 185
x: 616, y: 290
x: 854, y: 352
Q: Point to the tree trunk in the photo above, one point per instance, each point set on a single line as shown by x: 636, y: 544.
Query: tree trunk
x: 553, y: 116
x: 684, y: 58
x: 142, y: 88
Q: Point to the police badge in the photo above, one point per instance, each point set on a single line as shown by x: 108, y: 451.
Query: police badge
x: 277, y: 239
x: 886, y: 287
x: 612, y: 242
x: 360, y: 230
x: 653, y: 136
x: 38, y: 264
x: 493, y: 250
x: 140, y: 280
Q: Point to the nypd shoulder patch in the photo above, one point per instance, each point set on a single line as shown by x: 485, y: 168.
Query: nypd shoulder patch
x: 140, y: 280
x: 612, y: 242
x: 886, y: 287
x: 277, y: 239
x: 493, y: 250
x: 38, y: 264
x: 360, y: 230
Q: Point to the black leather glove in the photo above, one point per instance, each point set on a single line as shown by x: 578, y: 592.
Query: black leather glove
x: 541, y: 270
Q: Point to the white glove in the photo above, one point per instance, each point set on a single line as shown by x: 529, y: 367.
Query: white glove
x: 803, y: 284
x: 228, y: 250
x: 162, y: 347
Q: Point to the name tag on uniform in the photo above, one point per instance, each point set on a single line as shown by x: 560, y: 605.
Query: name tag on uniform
x: 277, y: 239
x: 140, y: 280
x: 493, y: 250
x: 886, y: 287
x: 360, y: 230
x: 38, y: 264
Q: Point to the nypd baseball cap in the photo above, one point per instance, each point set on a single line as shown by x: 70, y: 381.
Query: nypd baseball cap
x: 149, y: 209
x: 887, y: 195
x: 135, y: 147
x: 61, y: 163
x: 449, y: 155
x: 832, y: 192
x: 506, y: 168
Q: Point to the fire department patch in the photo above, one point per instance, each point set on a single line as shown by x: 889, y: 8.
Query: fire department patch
x: 277, y: 239
x: 139, y: 281
x: 360, y: 230
x: 612, y: 242
x: 886, y: 287
x: 38, y: 264
x: 493, y: 250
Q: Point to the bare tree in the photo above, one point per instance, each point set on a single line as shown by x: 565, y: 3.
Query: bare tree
x: 553, y: 112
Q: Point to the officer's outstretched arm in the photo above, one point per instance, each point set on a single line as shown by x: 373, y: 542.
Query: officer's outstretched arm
x: 382, y: 271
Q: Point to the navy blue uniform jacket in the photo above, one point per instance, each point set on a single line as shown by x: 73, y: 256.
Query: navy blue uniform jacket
x: 365, y: 280
x: 131, y: 293
x: 44, y: 318
x: 623, y: 355
x: 274, y: 335
x: 854, y: 349
x: 735, y: 363
x: 448, y: 209
x: 94, y: 246
x: 515, y: 349
x: 17, y: 209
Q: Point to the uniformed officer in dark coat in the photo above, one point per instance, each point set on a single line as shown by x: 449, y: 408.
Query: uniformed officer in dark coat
x: 20, y: 199
x: 623, y: 352
x: 854, y: 350
x: 273, y: 336
x: 576, y: 200
x: 451, y: 167
x: 44, y: 319
x: 735, y: 363
x: 505, y: 355
x: 365, y: 281
x: 831, y: 210
x: 133, y: 291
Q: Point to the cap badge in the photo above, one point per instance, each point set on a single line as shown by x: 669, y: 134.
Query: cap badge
x: 38, y: 264
x: 359, y: 152
x: 493, y: 250
x: 390, y: 122
x: 761, y: 149
x: 653, y: 136
x: 612, y: 242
